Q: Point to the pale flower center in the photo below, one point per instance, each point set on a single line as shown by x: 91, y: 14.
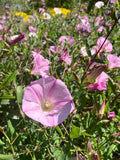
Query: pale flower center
x: 47, y: 106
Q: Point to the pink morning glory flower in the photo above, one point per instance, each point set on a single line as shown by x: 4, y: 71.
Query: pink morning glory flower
x: 41, y: 66
x: 47, y: 101
x: 107, y: 45
x: 114, y: 61
x: 32, y: 29
x: 97, y: 86
x: 35, y: 52
x: 111, y: 115
x: 68, y: 39
x: 100, y: 83
x: 66, y: 58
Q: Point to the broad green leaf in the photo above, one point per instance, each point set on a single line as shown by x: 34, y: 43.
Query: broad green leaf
x: 8, y: 80
x: 74, y: 132
x: 6, y: 157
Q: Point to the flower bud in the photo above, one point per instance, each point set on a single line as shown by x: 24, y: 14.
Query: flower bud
x: 101, y: 111
x: 89, y: 147
x: 94, y: 156
x: 91, y: 76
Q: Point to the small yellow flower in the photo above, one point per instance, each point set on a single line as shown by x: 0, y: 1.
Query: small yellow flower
x: 63, y: 11
x: 21, y: 15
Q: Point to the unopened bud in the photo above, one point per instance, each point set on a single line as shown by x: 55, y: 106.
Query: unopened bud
x: 101, y: 111
x: 94, y: 156
x: 116, y: 135
x: 89, y: 147
x: 91, y: 76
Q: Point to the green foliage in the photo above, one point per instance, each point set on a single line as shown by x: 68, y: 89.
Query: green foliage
x: 24, y: 139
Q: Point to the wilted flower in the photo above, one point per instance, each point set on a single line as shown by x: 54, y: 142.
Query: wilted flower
x: 47, y: 101
x: 99, y: 4
x: 7, y: 30
x: 41, y: 66
x: 111, y: 115
x: 115, y: 135
x: 114, y: 61
x: 14, y: 39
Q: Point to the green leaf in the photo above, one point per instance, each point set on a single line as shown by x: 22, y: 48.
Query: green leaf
x: 1, y: 143
x: 59, y: 130
x: 118, y: 3
x: 11, y: 128
x: 19, y: 92
x: 74, y: 132
x: 6, y: 157
x: 86, y: 134
x: 8, y: 80
x: 7, y: 97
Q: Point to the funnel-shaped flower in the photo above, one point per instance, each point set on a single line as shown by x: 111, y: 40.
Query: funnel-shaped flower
x: 47, y: 101
x: 107, y: 45
x: 91, y: 76
x: 114, y: 61
x: 41, y: 66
